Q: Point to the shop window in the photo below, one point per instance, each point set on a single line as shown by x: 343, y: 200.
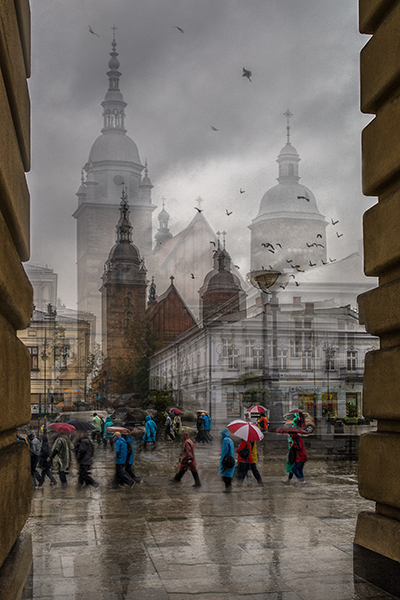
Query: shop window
x: 34, y: 352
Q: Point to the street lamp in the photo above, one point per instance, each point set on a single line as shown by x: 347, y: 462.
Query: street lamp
x: 264, y: 280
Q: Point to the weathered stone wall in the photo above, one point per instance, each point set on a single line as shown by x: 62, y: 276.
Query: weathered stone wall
x: 16, y: 295
x: 379, y: 478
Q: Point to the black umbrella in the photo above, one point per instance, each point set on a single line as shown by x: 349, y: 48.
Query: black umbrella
x: 81, y: 425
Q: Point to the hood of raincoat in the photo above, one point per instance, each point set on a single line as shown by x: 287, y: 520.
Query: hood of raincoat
x: 224, y: 433
x: 108, y: 419
x: 147, y: 418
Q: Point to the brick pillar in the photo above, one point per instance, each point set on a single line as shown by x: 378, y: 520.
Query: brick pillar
x: 15, y: 295
x: 377, y: 539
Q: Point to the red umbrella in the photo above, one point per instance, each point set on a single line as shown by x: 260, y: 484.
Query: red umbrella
x: 116, y: 429
x: 176, y: 411
x: 245, y: 430
x: 62, y: 428
x: 257, y: 409
x: 289, y: 430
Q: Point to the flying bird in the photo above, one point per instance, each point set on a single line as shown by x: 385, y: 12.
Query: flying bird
x: 214, y: 128
x: 192, y: 276
x: 291, y: 275
x: 280, y: 245
x: 296, y: 266
x: 179, y: 28
x: 247, y: 73
x: 283, y: 286
x: 334, y: 222
x: 319, y: 235
x: 228, y: 213
x: 91, y: 31
x: 267, y: 245
x: 242, y: 191
x: 339, y: 235
x: 237, y: 266
x: 297, y: 283
x: 300, y: 270
x: 303, y: 198
x: 323, y: 262
x: 320, y: 245
x: 332, y: 259
x: 198, y: 209
x: 289, y: 260
x: 271, y: 250
x: 309, y: 245
x: 213, y: 243
x: 311, y: 263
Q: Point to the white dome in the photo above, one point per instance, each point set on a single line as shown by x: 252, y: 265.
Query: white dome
x: 283, y: 200
x: 114, y: 146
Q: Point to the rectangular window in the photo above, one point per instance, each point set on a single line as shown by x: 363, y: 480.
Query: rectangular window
x: 306, y: 360
x: 352, y: 360
x: 295, y: 346
x: 258, y: 358
x: 230, y: 354
x: 283, y: 359
x: 34, y: 352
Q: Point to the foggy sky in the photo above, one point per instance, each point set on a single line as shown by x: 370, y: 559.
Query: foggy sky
x: 304, y: 56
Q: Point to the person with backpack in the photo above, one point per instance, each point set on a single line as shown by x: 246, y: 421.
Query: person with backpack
x: 150, y: 433
x: 244, y: 460
x: 227, y: 460
x: 300, y: 457
x: 121, y: 451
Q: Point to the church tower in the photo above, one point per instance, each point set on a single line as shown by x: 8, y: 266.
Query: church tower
x: 163, y: 233
x: 113, y: 160
x: 289, y: 230
x: 123, y: 293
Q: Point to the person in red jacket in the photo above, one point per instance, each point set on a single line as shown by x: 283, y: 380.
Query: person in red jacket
x: 301, y: 456
x: 245, y: 459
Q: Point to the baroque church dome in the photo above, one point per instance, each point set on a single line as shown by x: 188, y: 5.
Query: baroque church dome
x: 113, y: 145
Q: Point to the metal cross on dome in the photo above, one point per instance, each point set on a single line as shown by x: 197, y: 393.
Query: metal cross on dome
x: 200, y: 201
x: 114, y: 30
x: 288, y: 116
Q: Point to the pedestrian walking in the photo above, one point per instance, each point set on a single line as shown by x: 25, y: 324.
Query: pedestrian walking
x: 300, y: 458
x: 187, y: 461
x: 227, y: 460
x: 45, y: 463
x: 98, y: 428
x: 131, y: 447
x: 121, y: 450
x: 34, y: 447
x: 200, y: 437
x: 60, y: 453
x: 291, y: 454
x: 169, y: 433
x: 151, y: 432
x: 157, y: 421
x: 244, y: 459
x: 108, y: 436
x: 207, y: 428
x: 177, y: 428
x: 84, y: 451
x: 253, y: 465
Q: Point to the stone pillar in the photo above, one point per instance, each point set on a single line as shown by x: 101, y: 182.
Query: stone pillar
x: 377, y: 539
x: 16, y: 296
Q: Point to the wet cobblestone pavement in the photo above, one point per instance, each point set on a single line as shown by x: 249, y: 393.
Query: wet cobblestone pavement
x: 164, y: 541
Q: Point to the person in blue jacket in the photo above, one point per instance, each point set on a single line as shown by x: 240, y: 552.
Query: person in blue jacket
x: 121, y: 450
x: 151, y: 431
x: 130, y: 456
x: 207, y: 428
x: 108, y: 435
x: 227, y: 450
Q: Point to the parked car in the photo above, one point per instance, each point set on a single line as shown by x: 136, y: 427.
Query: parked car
x: 309, y: 421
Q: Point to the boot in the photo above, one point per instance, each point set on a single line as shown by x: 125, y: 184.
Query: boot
x: 196, y: 479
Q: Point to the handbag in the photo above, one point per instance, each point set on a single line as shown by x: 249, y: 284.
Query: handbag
x: 228, y: 461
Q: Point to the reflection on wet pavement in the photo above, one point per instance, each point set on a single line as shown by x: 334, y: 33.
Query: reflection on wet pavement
x: 165, y: 541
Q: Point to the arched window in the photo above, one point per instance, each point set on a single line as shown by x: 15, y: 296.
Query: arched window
x: 127, y: 301
x: 127, y: 320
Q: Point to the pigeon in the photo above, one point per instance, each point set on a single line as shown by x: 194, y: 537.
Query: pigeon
x: 91, y: 31
x: 271, y: 250
x: 291, y: 275
x: 319, y: 235
x: 323, y: 262
x: 192, y: 276
x: 339, y: 235
x: 297, y: 283
x: 213, y: 243
x: 236, y: 266
x: 311, y: 263
x: 280, y: 246
x: 214, y: 128
x: 247, y: 73
x: 334, y: 222
x: 179, y: 28
x: 242, y: 191
x: 228, y: 213
x: 267, y: 245
x: 332, y: 259
x: 289, y: 260
x: 283, y: 286
x: 300, y: 270
x: 296, y: 266
x: 309, y: 245
x: 320, y: 245
x: 198, y: 209
x: 303, y: 198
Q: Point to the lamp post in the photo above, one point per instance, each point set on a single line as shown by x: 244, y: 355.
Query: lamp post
x: 329, y: 355
x: 264, y: 281
x: 44, y: 357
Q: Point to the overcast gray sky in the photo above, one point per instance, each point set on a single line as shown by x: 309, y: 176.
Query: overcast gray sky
x: 304, y: 56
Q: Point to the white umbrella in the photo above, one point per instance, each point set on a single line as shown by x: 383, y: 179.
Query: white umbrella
x: 245, y: 430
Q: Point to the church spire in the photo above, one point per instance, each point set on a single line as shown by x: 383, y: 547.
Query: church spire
x: 124, y: 226
x: 113, y: 104
x: 288, y: 159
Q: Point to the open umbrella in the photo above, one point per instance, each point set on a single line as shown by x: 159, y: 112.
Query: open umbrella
x: 62, y: 428
x: 65, y: 405
x: 289, y: 430
x: 245, y: 430
x: 257, y: 409
x: 74, y: 390
x: 176, y: 411
x: 81, y: 425
x: 116, y: 428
